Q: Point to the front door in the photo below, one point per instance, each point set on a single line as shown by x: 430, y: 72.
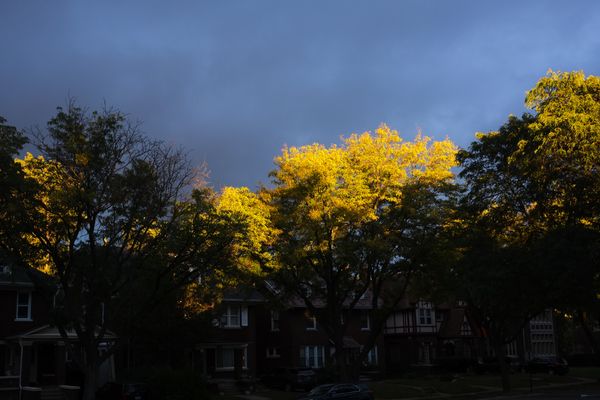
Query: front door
x: 46, y: 363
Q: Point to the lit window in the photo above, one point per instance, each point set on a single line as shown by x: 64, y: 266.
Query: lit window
x: 312, y: 356
x: 23, y: 306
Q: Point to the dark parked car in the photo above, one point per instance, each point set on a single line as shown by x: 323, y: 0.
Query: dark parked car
x: 340, y: 391
x: 122, y: 391
x: 550, y: 365
x: 491, y: 364
x: 291, y: 379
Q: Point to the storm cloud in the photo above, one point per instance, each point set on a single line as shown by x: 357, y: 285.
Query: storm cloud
x: 234, y: 81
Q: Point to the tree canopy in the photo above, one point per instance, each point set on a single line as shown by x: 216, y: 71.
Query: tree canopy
x: 114, y: 220
x: 532, y: 196
x: 356, y: 218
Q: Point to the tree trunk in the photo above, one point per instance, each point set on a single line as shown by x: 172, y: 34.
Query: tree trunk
x: 500, y: 351
x: 340, y: 361
x: 589, y: 335
x: 89, y: 385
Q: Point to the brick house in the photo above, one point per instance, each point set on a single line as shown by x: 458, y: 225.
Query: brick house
x: 292, y: 337
x: 251, y: 337
x: 32, y: 352
x: 228, y: 348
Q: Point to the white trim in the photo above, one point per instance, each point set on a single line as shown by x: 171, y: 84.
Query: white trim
x: 314, y: 322
x: 228, y: 317
x: 319, y: 362
x: 19, y: 293
x: 244, y: 315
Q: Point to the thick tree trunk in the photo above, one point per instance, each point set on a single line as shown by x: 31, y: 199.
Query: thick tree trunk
x: 340, y: 361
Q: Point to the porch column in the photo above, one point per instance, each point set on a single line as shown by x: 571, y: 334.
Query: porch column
x: 60, y: 362
x: 25, y: 361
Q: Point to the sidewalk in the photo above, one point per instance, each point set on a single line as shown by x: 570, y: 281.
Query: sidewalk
x: 496, y: 392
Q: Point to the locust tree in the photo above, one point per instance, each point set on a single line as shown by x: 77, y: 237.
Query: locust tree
x: 355, y: 218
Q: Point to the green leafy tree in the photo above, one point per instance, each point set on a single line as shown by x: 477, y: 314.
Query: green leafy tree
x: 115, y: 223
x: 15, y: 188
x: 530, y: 212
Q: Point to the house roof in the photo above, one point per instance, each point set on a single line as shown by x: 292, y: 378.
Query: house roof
x: 243, y: 295
x: 51, y: 333
x: 15, y: 275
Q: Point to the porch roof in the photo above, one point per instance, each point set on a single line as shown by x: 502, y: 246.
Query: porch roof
x: 51, y: 333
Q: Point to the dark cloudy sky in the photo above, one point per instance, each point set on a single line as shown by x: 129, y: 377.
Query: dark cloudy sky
x: 233, y: 81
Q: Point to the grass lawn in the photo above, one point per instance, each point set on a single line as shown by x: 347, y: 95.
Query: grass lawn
x: 433, y: 385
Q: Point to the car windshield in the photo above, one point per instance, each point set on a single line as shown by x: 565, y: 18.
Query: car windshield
x: 320, y: 390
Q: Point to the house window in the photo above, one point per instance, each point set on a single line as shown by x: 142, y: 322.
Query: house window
x: 425, y: 313
x: 365, y: 321
x: 465, y: 329
x: 274, y: 320
x: 424, y: 316
x: 273, y: 352
x: 226, y: 358
x: 23, y: 306
x: 312, y: 356
x: 231, y: 317
x: 372, y: 356
x: 311, y: 321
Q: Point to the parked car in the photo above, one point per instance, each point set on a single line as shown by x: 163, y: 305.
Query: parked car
x: 550, y: 365
x: 291, y: 379
x: 340, y: 391
x: 122, y: 391
x: 491, y: 364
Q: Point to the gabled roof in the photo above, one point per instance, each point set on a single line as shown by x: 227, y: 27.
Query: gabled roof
x: 12, y: 275
x: 15, y: 275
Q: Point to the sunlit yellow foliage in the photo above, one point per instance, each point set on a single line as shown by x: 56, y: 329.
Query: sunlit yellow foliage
x: 255, y: 231
x: 350, y: 182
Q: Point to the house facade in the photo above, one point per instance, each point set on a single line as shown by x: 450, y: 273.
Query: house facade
x: 32, y: 352
x: 250, y: 337
x: 228, y: 349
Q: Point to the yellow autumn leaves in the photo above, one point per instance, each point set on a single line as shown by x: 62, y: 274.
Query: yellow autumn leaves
x: 366, y: 171
x: 335, y: 188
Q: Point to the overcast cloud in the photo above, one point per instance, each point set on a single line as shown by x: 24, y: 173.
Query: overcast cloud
x: 234, y: 81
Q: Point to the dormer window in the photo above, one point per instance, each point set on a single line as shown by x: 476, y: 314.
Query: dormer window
x: 23, y: 306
